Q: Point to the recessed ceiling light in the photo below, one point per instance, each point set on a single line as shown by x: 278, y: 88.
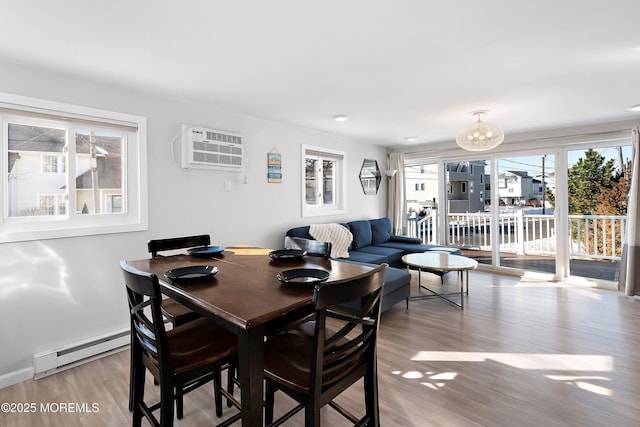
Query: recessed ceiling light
x: 340, y: 118
x: 410, y: 138
x: 634, y: 107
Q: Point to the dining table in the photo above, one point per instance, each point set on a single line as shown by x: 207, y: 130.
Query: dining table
x: 246, y: 297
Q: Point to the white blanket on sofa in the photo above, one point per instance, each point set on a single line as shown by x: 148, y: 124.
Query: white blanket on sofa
x: 334, y: 233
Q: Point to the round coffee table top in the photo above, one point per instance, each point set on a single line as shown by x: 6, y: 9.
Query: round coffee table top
x: 439, y: 261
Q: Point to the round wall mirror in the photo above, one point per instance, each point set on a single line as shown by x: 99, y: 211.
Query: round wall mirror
x: 370, y: 176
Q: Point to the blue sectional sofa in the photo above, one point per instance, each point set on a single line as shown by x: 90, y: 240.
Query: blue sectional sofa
x: 373, y: 243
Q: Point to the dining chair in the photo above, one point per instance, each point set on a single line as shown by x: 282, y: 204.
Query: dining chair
x: 314, y: 363
x: 173, y: 311
x: 180, y: 360
x: 312, y: 247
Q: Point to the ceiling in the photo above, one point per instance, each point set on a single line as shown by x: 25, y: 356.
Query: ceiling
x: 396, y: 68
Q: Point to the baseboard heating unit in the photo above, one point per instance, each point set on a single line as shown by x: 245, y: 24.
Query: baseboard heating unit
x: 49, y: 362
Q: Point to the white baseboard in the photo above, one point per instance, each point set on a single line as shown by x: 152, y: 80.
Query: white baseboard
x: 15, y: 377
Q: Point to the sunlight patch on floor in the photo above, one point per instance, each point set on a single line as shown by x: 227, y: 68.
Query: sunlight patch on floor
x: 524, y: 361
x: 430, y: 379
x: 582, y: 382
x: 567, y: 362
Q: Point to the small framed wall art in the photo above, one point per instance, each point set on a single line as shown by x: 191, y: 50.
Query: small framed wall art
x: 274, y: 166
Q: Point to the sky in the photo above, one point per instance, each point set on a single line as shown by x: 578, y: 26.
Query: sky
x: 533, y: 164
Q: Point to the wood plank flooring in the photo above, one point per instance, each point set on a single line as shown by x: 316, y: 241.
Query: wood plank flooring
x: 522, y: 353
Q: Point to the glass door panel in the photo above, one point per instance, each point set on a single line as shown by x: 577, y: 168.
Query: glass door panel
x: 422, y: 187
x: 468, y: 208
x: 526, y: 222
x: 597, y: 180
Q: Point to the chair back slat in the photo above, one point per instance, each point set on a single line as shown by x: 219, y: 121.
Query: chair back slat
x: 159, y: 245
x: 352, y: 345
x: 147, y: 322
x: 312, y: 247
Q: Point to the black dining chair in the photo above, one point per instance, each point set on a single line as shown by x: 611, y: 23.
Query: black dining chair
x: 173, y: 311
x: 312, y: 247
x: 180, y: 360
x: 313, y: 363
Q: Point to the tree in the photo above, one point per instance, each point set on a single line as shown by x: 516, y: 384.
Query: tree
x: 595, y: 187
x: 588, y: 177
x: 612, y: 201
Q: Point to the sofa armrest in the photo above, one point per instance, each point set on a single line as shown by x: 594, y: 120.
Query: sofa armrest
x: 406, y: 239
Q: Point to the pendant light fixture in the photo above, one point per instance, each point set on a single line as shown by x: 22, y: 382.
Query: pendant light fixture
x: 480, y: 136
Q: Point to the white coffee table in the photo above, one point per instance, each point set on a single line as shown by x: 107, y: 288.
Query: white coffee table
x: 441, y: 262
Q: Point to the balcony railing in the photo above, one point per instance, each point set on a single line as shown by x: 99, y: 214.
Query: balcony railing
x: 592, y: 236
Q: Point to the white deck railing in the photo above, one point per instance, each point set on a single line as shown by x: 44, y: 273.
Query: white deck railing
x: 592, y: 236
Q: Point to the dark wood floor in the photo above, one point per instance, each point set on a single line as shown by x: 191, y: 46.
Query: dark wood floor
x: 522, y: 353
x: 593, y: 269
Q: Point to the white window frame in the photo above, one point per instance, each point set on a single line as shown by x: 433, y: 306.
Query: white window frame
x: 14, y: 229
x: 339, y: 203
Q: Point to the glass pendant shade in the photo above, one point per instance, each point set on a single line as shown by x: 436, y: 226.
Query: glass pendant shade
x: 480, y: 136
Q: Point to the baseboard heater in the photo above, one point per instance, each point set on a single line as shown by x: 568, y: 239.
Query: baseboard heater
x: 48, y: 362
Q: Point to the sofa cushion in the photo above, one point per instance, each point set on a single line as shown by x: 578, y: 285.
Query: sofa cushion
x: 395, y: 279
x: 396, y: 287
x: 361, y: 231
x: 364, y: 257
x: 409, y: 248
x: 380, y: 230
x: 302, y: 232
x: 405, y: 239
x: 393, y: 255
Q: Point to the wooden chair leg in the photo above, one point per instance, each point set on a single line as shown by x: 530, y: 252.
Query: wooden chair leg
x: 166, y: 405
x: 217, y: 394
x: 231, y: 372
x: 137, y: 391
x: 270, y: 391
x: 371, y: 399
x: 179, y: 405
x: 132, y: 375
x: 311, y: 415
x: 137, y: 417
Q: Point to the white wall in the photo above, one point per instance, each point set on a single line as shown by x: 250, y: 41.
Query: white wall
x: 61, y: 291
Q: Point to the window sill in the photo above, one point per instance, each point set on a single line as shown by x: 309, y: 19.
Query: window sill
x: 25, y: 236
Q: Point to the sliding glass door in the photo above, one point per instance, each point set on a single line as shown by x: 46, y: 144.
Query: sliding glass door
x: 560, y: 210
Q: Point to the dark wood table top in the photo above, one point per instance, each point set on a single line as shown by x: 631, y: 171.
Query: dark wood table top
x: 245, y: 291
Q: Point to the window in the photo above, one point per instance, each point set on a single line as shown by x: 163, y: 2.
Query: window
x: 70, y: 170
x: 323, y: 181
x: 463, y: 187
x: 422, y: 186
x: 52, y: 163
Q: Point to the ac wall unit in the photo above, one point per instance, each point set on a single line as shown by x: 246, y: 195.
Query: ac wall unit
x: 204, y: 148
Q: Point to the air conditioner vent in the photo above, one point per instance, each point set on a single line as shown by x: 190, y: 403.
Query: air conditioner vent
x: 204, y: 148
